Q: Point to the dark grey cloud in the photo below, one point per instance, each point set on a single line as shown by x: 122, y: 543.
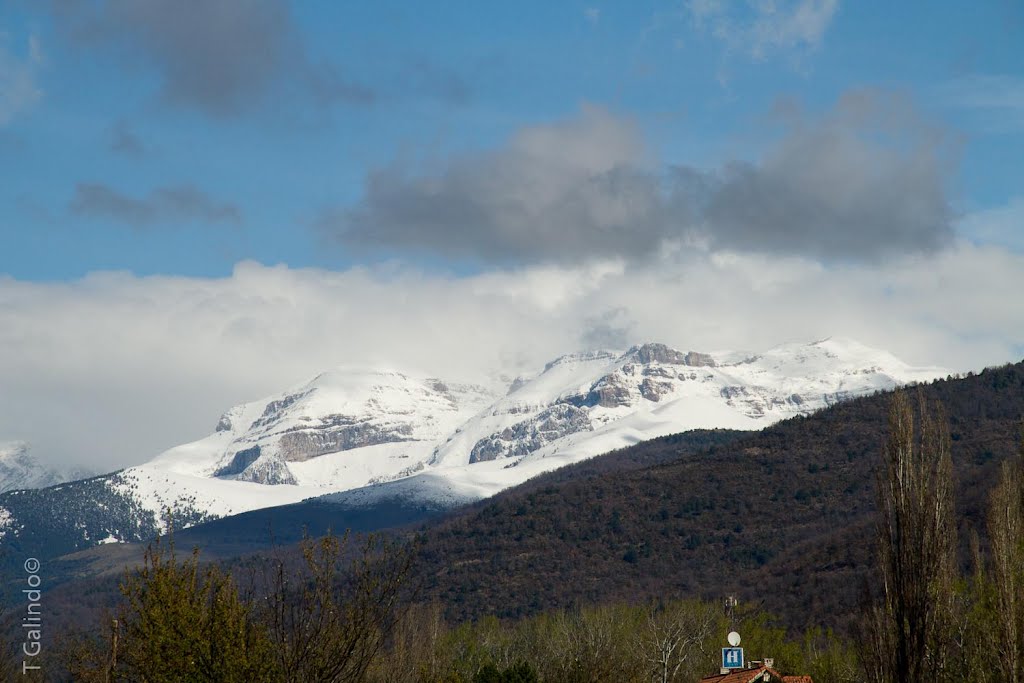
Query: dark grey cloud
x: 471, y: 213
x: 866, y: 181
x: 219, y: 56
x: 564, y: 192
x: 863, y: 182
x: 183, y: 203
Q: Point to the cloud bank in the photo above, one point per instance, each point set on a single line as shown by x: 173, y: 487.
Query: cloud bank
x: 112, y: 369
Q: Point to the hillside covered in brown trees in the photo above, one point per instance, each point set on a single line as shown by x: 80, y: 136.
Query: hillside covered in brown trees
x: 784, y: 516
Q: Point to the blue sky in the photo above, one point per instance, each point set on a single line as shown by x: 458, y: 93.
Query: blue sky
x: 697, y: 79
x: 203, y: 203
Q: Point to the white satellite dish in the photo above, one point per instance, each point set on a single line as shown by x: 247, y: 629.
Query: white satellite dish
x: 734, y: 639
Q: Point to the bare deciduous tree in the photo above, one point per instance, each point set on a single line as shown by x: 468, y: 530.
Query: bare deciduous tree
x: 676, y: 640
x: 917, y: 544
x: 328, y: 624
x: 1006, y: 532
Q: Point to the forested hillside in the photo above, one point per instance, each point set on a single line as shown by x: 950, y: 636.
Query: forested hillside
x: 784, y: 516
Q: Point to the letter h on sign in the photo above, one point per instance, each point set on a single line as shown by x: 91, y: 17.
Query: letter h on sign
x: 732, y: 657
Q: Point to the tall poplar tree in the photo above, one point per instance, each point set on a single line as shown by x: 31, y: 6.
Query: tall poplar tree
x: 1006, y: 533
x: 917, y: 545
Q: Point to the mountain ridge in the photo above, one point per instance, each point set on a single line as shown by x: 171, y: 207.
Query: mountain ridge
x: 364, y: 437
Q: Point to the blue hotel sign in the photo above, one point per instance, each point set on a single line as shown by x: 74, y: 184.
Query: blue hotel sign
x: 732, y: 657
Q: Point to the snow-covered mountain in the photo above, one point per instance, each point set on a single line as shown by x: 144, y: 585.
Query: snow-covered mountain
x: 19, y: 469
x: 345, y: 429
x: 583, y: 405
x: 362, y: 435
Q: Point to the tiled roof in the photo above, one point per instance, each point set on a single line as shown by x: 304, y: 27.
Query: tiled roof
x: 755, y: 674
x: 742, y: 676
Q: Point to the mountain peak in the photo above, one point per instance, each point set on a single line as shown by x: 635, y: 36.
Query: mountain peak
x: 379, y: 430
x: 653, y: 352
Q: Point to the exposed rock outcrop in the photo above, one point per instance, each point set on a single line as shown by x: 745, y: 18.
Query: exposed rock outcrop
x: 341, y: 433
x: 239, y: 461
x: 699, y: 360
x: 527, y: 436
x: 660, y: 353
x: 268, y: 470
x: 250, y: 464
x: 274, y: 409
x: 653, y: 390
x: 224, y: 424
x: 611, y: 391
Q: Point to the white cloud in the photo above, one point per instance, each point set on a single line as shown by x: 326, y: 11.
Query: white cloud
x: 113, y: 368
x: 18, y: 88
x: 1003, y: 225
x: 761, y: 28
x: 997, y: 100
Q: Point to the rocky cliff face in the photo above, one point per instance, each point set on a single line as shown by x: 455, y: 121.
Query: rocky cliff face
x: 529, y: 435
x: 338, y: 433
x: 268, y: 469
x: 648, y: 354
x: 251, y: 465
